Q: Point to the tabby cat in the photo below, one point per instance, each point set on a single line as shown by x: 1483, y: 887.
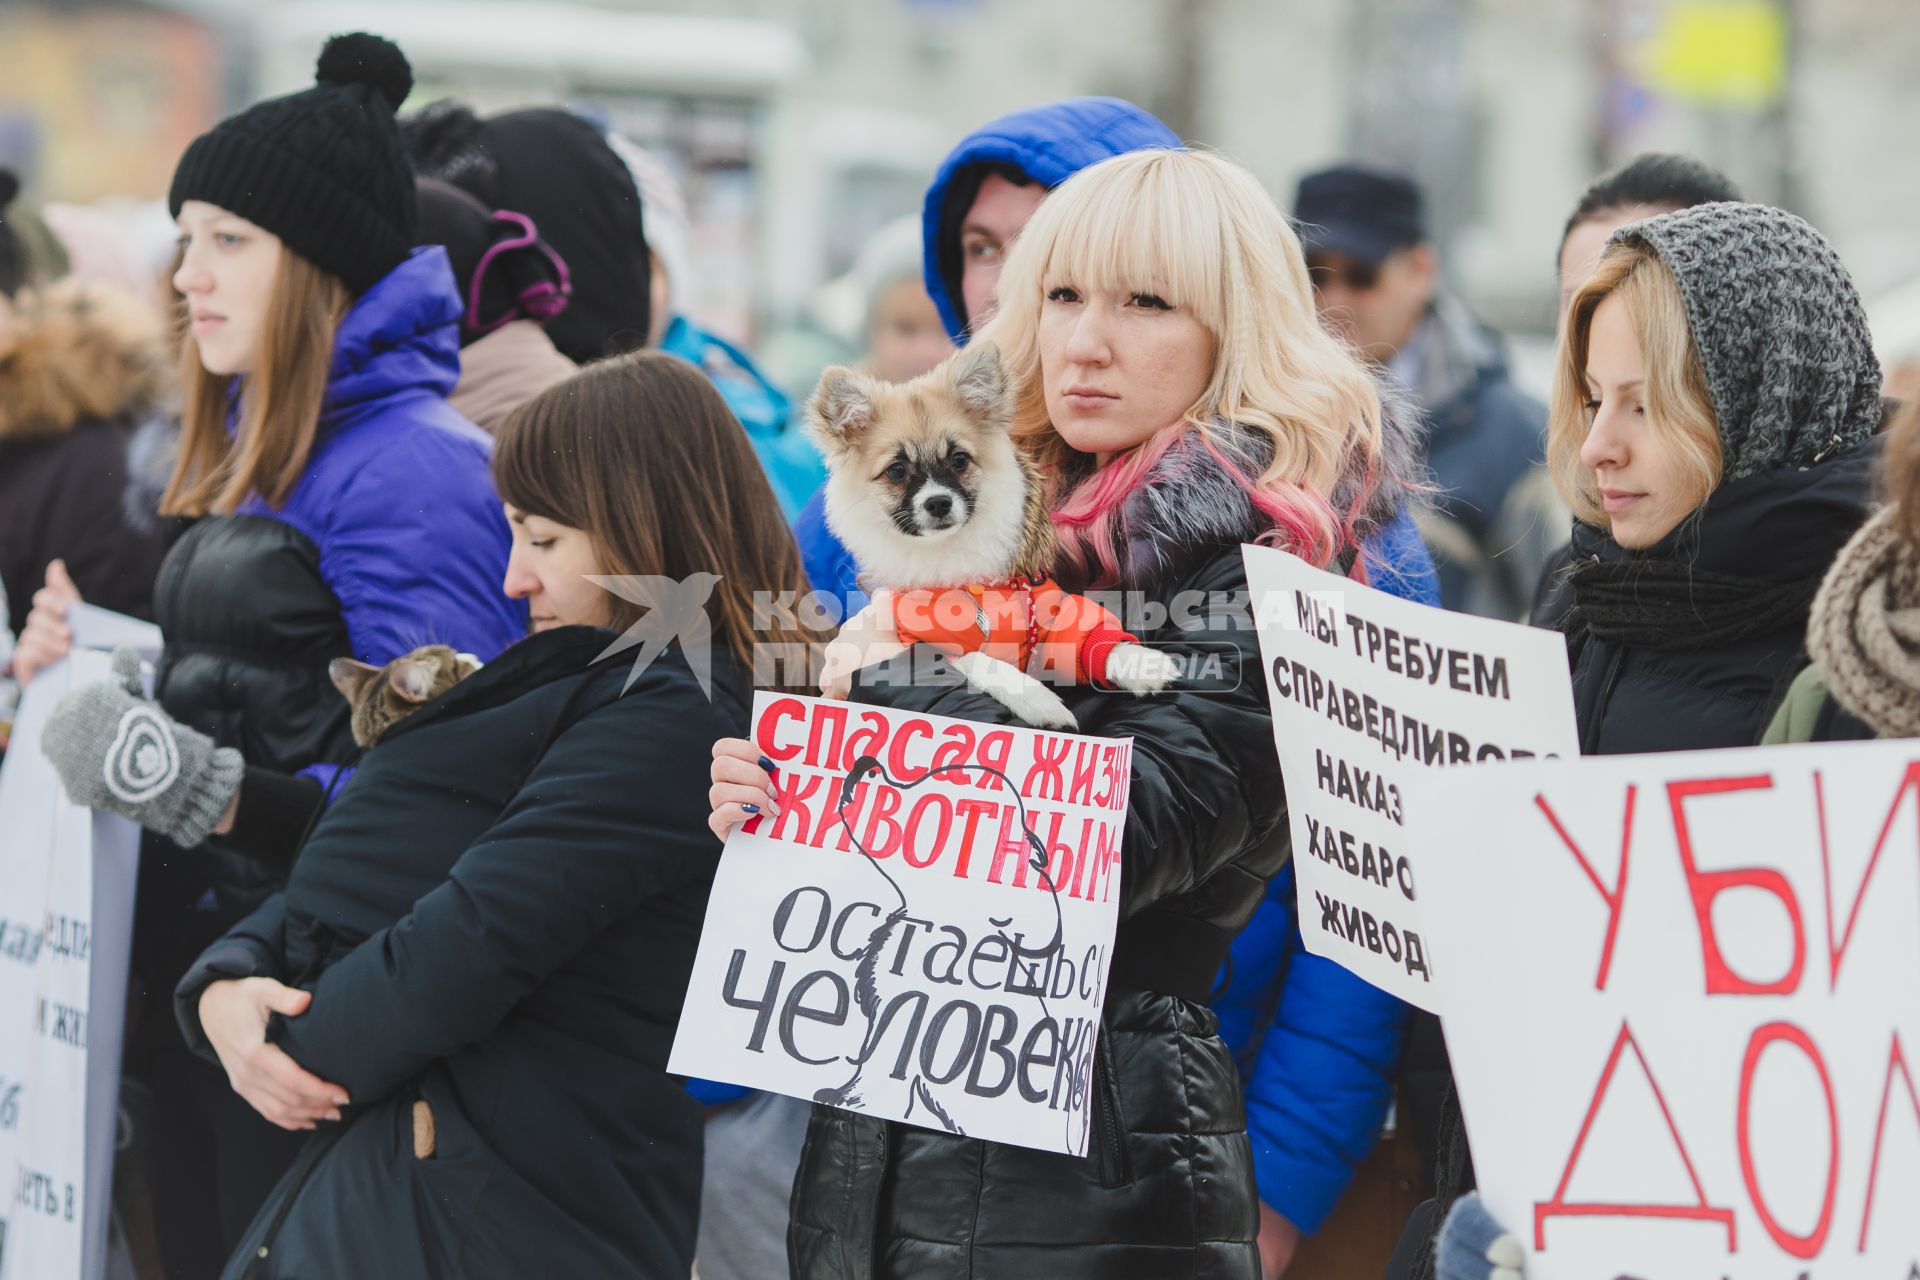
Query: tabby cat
x: 382, y: 697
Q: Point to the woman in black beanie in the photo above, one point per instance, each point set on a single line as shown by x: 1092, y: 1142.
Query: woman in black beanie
x: 342, y: 508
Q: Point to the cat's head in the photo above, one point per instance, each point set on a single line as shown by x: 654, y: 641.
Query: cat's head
x: 381, y: 697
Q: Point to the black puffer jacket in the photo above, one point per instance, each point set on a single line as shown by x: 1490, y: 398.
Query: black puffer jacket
x: 1780, y: 527
x: 1167, y: 1186
x: 498, y: 916
x: 250, y: 627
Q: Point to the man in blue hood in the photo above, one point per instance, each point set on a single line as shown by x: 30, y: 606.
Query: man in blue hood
x: 982, y: 196
x: 1316, y: 1045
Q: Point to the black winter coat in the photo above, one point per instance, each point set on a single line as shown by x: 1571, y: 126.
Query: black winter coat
x: 1779, y: 527
x: 498, y: 916
x: 1167, y: 1185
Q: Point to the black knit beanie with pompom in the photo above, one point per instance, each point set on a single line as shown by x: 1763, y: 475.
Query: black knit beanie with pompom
x: 323, y: 169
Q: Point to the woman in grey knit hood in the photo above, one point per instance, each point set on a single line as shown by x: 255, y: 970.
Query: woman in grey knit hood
x: 1713, y: 429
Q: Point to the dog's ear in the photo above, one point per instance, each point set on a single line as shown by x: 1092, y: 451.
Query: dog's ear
x: 980, y: 382
x: 841, y: 408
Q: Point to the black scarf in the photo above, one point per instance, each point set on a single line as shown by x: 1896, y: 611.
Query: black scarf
x: 1747, y: 564
x: 1670, y: 606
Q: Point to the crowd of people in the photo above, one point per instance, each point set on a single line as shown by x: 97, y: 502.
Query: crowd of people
x: 427, y: 378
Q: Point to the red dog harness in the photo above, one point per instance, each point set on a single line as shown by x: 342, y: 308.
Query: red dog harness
x: 1015, y: 622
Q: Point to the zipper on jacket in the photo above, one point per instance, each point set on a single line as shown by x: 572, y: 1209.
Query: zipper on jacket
x: 1115, y: 1170
x: 257, y: 1265
x: 1614, y: 662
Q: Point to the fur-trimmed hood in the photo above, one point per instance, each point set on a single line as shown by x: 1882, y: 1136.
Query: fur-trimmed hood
x: 1190, y: 507
x: 78, y: 351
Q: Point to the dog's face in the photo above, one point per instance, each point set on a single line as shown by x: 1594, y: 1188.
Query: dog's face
x: 925, y: 484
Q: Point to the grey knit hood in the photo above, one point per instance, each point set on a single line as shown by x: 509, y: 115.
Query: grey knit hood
x: 1779, y: 328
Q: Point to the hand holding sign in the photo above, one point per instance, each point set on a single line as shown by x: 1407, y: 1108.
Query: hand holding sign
x: 919, y: 926
x: 743, y: 786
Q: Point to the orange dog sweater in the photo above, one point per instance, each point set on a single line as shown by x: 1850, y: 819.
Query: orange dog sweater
x: 1014, y: 621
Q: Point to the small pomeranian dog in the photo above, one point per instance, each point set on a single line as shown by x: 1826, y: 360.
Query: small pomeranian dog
x: 948, y: 523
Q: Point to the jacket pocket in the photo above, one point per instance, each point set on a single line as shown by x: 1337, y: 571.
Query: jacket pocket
x: 1109, y: 1138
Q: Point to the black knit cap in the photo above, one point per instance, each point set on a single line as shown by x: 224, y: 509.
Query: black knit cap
x: 323, y: 169
x: 560, y: 171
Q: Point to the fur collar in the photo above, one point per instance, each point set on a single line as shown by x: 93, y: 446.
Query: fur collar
x: 78, y: 351
x: 1190, y: 509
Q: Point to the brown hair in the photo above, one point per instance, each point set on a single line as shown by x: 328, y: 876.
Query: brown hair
x: 1900, y: 468
x: 280, y: 400
x: 1679, y: 404
x: 641, y: 453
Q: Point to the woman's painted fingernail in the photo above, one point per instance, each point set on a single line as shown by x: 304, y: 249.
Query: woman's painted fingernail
x: 766, y: 764
x: 333, y: 1115
x: 751, y: 808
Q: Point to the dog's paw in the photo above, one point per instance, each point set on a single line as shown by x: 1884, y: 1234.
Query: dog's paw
x: 1138, y: 669
x: 1039, y: 706
x: 1015, y: 690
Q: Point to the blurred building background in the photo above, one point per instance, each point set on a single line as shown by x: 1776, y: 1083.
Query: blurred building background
x: 800, y: 126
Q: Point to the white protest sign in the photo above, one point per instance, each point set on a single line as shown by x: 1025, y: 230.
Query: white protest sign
x: 59, y: 1068
x: 97, y: 628
x: 1369, y: 691
x: 923, y: 933
x: 1682, y: 1008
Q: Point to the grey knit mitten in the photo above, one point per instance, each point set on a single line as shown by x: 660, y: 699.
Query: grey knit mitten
x: 117, y: 750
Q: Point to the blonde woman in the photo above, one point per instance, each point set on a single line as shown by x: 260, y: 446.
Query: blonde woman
x: 1712, y: 428
x: 1158, y: 321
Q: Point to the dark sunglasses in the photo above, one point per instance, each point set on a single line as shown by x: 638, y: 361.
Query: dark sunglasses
x: 1357, y: 276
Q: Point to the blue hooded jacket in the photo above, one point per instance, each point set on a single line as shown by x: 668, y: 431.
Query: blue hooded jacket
x: 397, y: 494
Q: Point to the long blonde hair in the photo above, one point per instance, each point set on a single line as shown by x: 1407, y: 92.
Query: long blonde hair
x: 1200, y: 232
x: 266, y: 449
x: 1678, y: 402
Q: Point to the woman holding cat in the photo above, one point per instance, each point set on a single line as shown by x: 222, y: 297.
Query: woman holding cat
x: 478, y: 962
x: 341, y: 508
x: 1172, y: 381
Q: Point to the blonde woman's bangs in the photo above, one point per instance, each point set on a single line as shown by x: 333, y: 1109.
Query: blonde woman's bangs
x: 1136, y: 232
